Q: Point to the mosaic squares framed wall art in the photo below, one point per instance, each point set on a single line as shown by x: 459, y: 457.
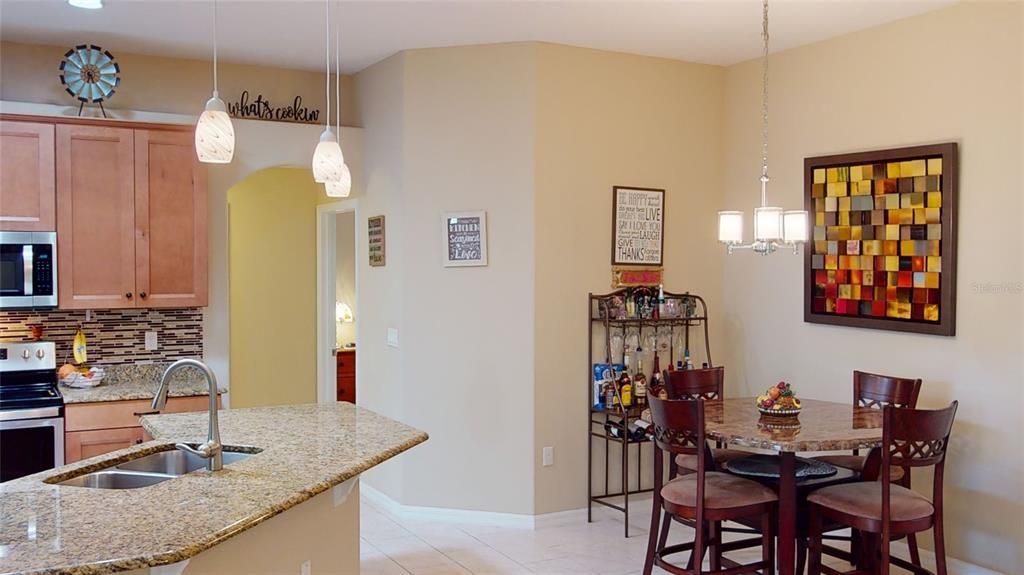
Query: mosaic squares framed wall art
x: 883, y: 254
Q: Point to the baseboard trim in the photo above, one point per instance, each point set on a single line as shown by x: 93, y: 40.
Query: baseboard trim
x: 953, y: 565
x: 469, y: 517
x: 533, y: 522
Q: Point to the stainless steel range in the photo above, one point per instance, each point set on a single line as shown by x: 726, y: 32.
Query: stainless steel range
x: 31, y: 410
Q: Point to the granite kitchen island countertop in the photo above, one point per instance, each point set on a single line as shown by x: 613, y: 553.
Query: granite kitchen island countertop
x: 306, y: 449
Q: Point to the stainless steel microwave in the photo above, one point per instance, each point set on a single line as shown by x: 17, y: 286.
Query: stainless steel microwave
x: 28, y: 269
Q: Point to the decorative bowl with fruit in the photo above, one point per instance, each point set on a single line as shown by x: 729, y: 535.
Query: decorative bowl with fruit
x: 779, y: 400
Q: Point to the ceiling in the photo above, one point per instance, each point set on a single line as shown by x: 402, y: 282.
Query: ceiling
x: 290, y: 33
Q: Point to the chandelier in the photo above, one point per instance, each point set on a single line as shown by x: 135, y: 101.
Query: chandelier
x: 773, y: 227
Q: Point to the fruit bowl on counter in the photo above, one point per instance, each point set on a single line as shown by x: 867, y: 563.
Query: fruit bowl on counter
x: 81, y: 376
x: 779, y: 400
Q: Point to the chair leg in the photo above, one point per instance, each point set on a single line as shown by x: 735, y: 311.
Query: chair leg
x: 652, y: 539
x: 715, y: 545
x: 885, y: 541
x: 666, y: 522
x: 940, y: 546
x: 814, y: 542
x: 856, y: 548
x: 699, y: 542
x: 768, y: 542
x: 801, y: 556
x: 915, y: 554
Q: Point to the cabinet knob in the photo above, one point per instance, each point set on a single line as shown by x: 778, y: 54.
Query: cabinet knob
x: 40, y: 353
x: 142, y: 295
x: 128, y: 295
x: 25, y: 354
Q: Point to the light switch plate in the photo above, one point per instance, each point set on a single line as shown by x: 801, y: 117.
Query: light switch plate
x: 393, y: 337
x: 548, y: 456
x: 151, y: 342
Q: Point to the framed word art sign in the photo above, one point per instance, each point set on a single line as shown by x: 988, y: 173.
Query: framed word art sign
x: 638, y: 226
x: 465, y: 239
x: 375, y: 233
x: 884, y: 249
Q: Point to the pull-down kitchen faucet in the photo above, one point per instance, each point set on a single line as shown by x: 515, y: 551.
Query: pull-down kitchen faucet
x: 212, y: 450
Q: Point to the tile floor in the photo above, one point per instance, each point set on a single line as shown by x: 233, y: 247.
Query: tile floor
x: 397, y: 546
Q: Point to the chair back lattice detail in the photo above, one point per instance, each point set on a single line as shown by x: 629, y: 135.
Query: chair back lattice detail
x: 678, y: 425
x: 878, y: 391
x: 691, y: 384
x: 916, y: 437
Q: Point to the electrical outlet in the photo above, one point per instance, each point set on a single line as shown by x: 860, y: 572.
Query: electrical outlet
x: 306, y: 569
x: 151, y: 342
x: 548, y: 456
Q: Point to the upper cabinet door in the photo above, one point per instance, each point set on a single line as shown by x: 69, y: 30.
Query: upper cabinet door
x: 26, y: 177
x: 96, y: 219
x: 170, y: 220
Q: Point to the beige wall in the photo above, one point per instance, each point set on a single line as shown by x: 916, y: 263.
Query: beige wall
x: 452, y: 130
x: 950, y: 75
x: 345, y: 273
x: 28, y: 73
x: 606, y: 119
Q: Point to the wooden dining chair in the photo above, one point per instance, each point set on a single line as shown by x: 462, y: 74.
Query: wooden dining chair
x: 707, y: 383
x: 877, y: 391
x: 874, y: 391
x: 706, y: 498
x: 910, y: 438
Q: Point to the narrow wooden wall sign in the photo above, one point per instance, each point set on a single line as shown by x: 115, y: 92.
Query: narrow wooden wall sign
x: 375, y: 231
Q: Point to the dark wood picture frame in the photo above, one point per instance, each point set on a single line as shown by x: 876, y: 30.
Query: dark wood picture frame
x: 615, y: 203
x: 947, y: 277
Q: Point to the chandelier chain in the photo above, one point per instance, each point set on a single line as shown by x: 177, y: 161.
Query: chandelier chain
x: 327, y: 68
x: 764, y: 93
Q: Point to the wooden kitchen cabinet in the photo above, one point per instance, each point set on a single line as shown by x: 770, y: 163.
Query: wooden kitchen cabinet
x: 131, y: 218
x: 95, y: 217
x: 346, y: 382
x: 27, y: 200
x: 170, y: 221
x: 96, y: 428
x: 84, y: 444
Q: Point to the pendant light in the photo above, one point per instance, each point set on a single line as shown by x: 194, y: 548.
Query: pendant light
x: 215, y: 136
x: 343, y: 186
x: 773, y: 227
x: 328, y: 161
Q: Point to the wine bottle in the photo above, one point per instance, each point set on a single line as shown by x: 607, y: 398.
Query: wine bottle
x: 640, y: 383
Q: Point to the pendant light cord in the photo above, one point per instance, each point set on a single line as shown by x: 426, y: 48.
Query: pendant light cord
x: 764, y: 106
x: 327, y: 68
x: 215, y: 88
x: 337, y: 75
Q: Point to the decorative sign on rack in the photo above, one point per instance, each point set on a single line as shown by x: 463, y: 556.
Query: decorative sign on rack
x: 375, y: 230
x: 634, y: 277
x: 465, y: 239
x: 260, y: 108
x: 638, y: 225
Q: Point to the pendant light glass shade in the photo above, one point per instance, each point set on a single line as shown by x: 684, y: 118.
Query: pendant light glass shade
x: 730, y: 227
x: 767, y: 224
x: 794, y: 226
x: 328, y: 161
x: 215, y: 135
x: 341, y: 188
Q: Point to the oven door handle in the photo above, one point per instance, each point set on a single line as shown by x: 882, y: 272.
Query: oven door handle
x: 19, y: 414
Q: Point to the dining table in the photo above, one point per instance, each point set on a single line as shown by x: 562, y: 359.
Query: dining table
x: 820, y: 426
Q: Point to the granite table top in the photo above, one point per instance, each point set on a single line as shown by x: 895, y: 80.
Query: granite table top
x: 138, y: 381
x: 306, y: 449
x: 821, y: 426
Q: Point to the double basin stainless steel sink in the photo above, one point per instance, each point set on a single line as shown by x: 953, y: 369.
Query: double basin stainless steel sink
x: 148, y: 470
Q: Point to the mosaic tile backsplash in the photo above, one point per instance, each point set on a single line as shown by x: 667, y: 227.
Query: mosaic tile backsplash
x: 116, y: 336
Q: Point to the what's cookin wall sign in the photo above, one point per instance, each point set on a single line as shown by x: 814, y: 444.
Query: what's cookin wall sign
x: 260, y: 108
